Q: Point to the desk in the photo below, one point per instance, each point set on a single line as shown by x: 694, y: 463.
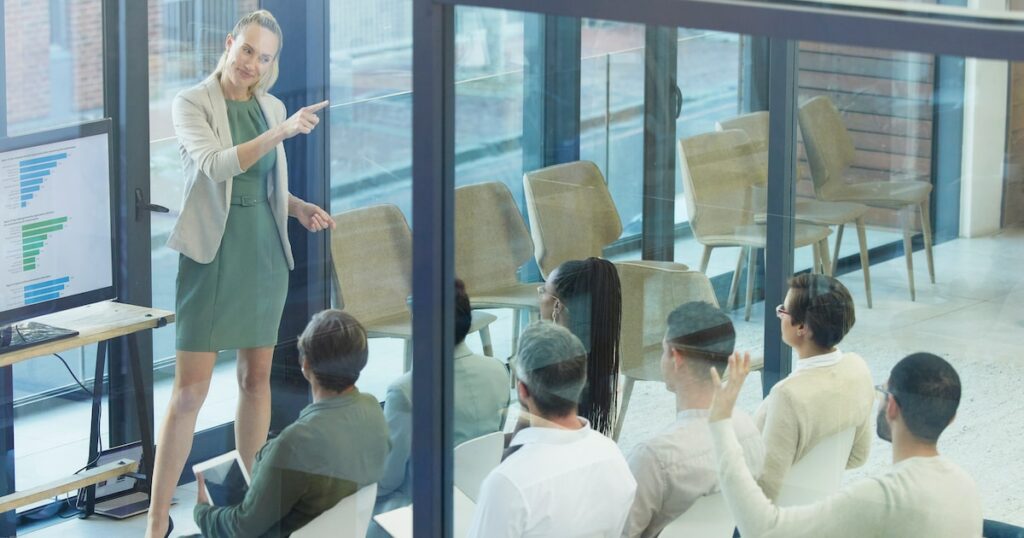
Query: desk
x: 96, y: 324
x: 398, y: 522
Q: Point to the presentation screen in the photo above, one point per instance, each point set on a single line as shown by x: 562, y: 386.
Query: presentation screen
x: 56, y: 224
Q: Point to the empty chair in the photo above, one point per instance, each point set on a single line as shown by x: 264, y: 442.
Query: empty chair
x: 830, y: 153
x: 719, y: 171
x: 819, y: 473
x: 654, y: 292
x: 572, y: 215
x: 709, y: 517
x: 371, y: 250
x: 491, y: 243
x: 474, y: 459
x: 350, y: 518
x: 838, y: 214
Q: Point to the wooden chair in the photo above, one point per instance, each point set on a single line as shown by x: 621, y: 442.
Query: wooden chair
x: 830, y: 153
x: 709, y: 517
x: 371, y: 250
x: 491, y: 243
x: 719, y: 172
x: 814, y: 211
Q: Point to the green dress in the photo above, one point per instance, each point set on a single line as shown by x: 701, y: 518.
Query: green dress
x: 236, y: 300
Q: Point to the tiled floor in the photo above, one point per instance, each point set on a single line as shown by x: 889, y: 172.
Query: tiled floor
x: 973, y: 316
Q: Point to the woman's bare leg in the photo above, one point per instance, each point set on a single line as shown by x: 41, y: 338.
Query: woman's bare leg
x: 252, y: 422
x: 192, y: 374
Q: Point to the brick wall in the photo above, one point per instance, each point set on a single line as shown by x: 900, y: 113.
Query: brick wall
x: 86, y: 21
x: 27, y: 52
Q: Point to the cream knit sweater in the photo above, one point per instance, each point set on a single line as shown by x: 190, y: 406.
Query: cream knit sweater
x: 810, y: 405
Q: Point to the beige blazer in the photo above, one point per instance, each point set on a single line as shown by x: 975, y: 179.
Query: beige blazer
x: 210, y: 161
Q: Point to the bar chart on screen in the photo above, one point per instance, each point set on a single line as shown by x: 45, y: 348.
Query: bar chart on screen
x: 55, y: 222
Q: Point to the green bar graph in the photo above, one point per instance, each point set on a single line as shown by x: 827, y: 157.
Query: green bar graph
x: 33, y: 237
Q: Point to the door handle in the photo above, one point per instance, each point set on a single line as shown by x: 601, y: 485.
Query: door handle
x: 141, y: 205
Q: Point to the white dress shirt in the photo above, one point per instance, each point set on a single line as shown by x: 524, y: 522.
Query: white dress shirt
x: 481, y: 398
x: 564, y: 483
x: 923, y: 496
x: 679, y: 466
x: 818, y: 361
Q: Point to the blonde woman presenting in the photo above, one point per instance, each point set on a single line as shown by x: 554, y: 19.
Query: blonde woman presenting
x: 233, y: 243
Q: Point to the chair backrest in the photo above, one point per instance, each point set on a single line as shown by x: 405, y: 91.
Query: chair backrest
x: 371, y: 249
x: 350, y: 518
x: 755, y: 124
x: 649, y: 294
x: 709, y: 517
x: 474, y: 459
x: 828, y: 144
x: 719, y: 171
x: 491, y: 239
x: 818, y: 474
x: 572, y: 215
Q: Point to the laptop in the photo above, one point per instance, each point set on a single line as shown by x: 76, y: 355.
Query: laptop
x: 120, y: 497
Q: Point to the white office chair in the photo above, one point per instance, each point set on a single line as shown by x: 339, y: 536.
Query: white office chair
x: 818, y: 474
x: 474, y: 459
x: 709, y: 517
x: 350, y: 518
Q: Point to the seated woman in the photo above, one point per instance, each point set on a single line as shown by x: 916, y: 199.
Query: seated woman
x: 481, y: 399
x: 828, y: 392
x: 584, y: 296
x: 337, y: 445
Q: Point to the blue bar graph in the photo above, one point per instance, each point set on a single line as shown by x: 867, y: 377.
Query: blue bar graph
x: 34, y: 172
x: 48, y: 283
x: 43, y: 159
x: 42, y: 299
x: 37, y: 167
x: 34, y: 175
x: 45, y: 291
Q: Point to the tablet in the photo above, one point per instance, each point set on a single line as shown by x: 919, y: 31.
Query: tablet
x: 225, y: 478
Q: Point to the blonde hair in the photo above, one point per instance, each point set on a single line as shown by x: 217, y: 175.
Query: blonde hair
x: 264, y: 19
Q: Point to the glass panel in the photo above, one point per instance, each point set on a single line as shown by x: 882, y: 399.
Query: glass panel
x: 53, y: 54
x: 53, y: 59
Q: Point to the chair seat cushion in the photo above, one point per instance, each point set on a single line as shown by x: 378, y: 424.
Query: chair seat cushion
x: 755, y: 235
x: 887, y: 194
x: 518, y: 296
x: 400, y: 326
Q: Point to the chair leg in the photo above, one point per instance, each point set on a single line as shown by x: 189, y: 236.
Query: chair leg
x: 733, y: 288
x: 752, y: 254
x: 826, y: 264
x: 705, y: 259
x: 908, y: 251
x: 485, y: 341
x: 865, y: 265
x: 515, y: 331
x: 926, y: 227
x: 835, y: 251
x: 407, y: 360
x: 627, y: 391
x: 815, y: 257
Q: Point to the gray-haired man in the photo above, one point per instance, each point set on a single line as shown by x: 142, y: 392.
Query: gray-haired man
x: 564, y: 479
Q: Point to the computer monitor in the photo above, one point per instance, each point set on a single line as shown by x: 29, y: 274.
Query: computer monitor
x: 56, y: 224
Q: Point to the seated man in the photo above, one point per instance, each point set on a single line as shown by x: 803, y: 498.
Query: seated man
x: 924, y: 494
x: 561, y: 478
x: 337, y: 445
x: 828, y: 392
x: 481, y: 399
x: 677, y: 467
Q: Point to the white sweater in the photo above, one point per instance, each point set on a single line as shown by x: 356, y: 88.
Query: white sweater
x: 927, y: 497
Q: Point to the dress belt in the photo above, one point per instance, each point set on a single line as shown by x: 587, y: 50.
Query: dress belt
x: 247, y: 201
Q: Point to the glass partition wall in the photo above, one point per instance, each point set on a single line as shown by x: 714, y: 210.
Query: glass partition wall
x: 886, y: 167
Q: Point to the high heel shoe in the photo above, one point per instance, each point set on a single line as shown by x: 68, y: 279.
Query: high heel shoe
x: 170, y: 527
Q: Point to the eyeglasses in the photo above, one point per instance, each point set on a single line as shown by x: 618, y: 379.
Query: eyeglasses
x: 881, y: 388
x: 781, y: 310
